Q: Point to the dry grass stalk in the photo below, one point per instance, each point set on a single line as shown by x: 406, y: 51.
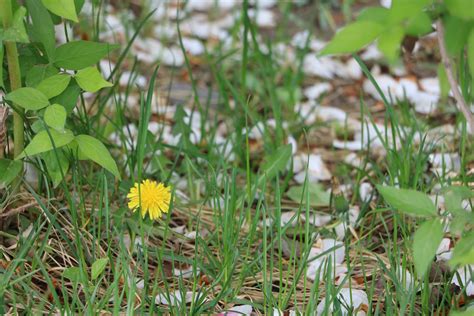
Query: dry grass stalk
x: 3, y: 129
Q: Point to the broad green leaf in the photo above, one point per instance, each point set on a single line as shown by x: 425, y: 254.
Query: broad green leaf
x: 456, y: 34
x: 374, y: 14
x: 9, y: 169
x: 317, y: 195
x: 463, y: 252
x: 453, y: 199
x: 63, y: 8
x: 42, y: 142
x: 72, y: 273
x: 353, y: 37
x: 277, y: 161
x: 54, y: 85
x: 43, y: 28
x: 79, y: 4
x: 57, y: 165
x: 404, y: 9
x: 57, y: 20
x: 419, y: 25
x: 408, y: 201
x: 68, y: 98
x: 16, y: 32
x: 28, y: 58
x: 389, y: 42
x: 98, y: 267
x: 463, y: 192
x: 94, y: 150
x: 28, y: 98
x: 90, y: 79
x: 459, y: 222
x: 463, y: 9
x: 37, y: 126
x: 38, y: 73
x: 469, y: 311
x: 55, y: 116
x: 425, y: 243
x: 81, y: 54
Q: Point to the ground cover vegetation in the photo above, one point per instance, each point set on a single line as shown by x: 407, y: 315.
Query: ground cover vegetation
x: 237, y: 157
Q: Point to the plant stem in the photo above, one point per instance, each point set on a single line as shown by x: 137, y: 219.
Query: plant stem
x: 15, y: 78
x: 3, y: 129
x: 460, y: 102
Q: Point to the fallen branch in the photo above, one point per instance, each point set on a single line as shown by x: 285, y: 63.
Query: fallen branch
x: 460, y: 102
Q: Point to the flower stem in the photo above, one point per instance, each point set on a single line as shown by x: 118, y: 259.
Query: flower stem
x: 15, y: 77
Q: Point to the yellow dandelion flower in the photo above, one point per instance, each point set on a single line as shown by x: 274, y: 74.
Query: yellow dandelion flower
x: 150, y: 197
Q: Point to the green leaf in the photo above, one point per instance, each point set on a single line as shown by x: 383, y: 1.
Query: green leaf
x: 459, y: 222
x: 404, y: 9
x: 374, y: 14
x: 54, y: 85
x: 317, y: 195
x: 79, y: 4
x: 43, y: 28
x: 410, y: 202
x: 469, y: 311
x: 42, y: 143
x: 28, y: 98
x: 453, y: 201
x: 38, y: 73
x: 57, y: 165
x: 69, y: 97
x: 463, y: 192
x: 94, y: 150
x: 98, y: 267
x: 419, y: 25
x: 72, y: 273
x: 55, y: 116
x: 425, y: 243
x: 57, y: 20
x: 456, y: 34
x: 90, y: 79
x: 353, y: 37
x: 63, y: 8
x: 463, y: 9
x: 277, y: 161
x: 28, y: 57
x: 390, y: 41
x: 9, y: 169
x: 81, y: 54
x: 16, y: 32
x: 463, y: 252
x: 37, y: 126
x: 453, y: 198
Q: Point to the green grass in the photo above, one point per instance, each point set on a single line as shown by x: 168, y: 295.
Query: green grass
x: 233, y: 259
